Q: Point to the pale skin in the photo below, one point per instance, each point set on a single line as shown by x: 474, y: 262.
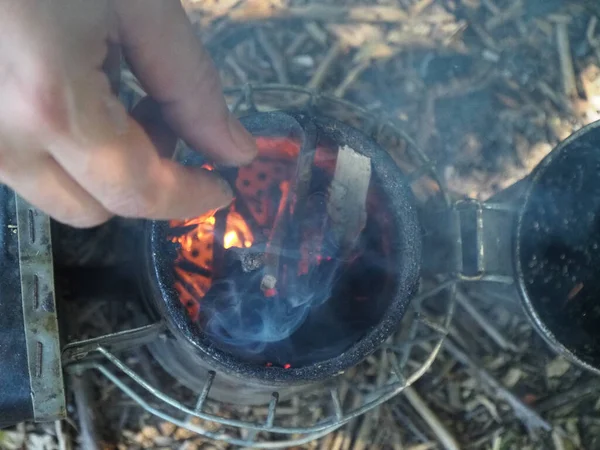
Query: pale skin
x: 70, y: 148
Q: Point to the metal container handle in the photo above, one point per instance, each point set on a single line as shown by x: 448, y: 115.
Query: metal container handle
x: 471, y: 240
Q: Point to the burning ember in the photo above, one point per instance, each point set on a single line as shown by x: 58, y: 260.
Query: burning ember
x: 257, y: 273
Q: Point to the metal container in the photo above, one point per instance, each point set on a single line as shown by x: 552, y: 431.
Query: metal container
x: 538, y: 240
x: 557, y: 248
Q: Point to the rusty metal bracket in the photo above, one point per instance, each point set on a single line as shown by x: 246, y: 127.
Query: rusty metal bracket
x: 39, y: 313
x: 472, y: 240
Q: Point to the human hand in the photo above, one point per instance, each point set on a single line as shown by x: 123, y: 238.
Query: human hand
x: 66, y: 143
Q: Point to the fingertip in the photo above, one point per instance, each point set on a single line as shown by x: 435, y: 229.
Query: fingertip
x: 224, y: 188
x: 199, y: 190
x: 245, y: 149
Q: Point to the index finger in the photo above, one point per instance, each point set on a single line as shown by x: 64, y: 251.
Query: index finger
x: 160, y: 44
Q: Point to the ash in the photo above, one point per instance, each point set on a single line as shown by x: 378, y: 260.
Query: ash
x: 480, y: 85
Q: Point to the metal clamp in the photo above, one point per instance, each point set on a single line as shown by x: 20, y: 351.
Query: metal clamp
x: 472, y: 240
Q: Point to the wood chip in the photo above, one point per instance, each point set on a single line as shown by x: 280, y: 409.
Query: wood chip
x: 557, y: 367
x: 346, y: 204
x: 167, y: 428
x: 566, y: 59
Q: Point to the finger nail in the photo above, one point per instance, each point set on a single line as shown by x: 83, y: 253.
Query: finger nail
x: 225, y: 194
x: 243, y: 140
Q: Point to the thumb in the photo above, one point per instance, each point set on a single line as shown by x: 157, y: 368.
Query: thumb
x: 160, y: 45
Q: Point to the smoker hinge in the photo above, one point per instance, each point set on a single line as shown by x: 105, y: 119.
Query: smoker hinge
x: 471, y: 240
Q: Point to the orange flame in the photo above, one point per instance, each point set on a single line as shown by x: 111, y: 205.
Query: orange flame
x: 237, y: 232
x: 273, y: 169
x: 197, y: 248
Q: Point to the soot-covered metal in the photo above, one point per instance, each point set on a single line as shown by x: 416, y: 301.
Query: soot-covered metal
x: 558, y: 247
x: 275, y: 293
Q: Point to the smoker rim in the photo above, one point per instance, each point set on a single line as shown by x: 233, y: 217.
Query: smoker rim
x: 528, y: 306
x: 408, y: 275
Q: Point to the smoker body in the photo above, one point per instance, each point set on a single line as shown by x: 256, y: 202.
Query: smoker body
x: 245, y: 383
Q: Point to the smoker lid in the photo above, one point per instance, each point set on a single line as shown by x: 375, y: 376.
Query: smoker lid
x: 557, y: 247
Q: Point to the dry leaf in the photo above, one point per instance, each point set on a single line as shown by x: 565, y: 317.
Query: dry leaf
x: 376, y: 50
x: 356, y: 35
x: 257, y: 10
x: 512, y: 377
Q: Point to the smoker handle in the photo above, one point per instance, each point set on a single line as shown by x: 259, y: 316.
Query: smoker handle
x: 472, y: 241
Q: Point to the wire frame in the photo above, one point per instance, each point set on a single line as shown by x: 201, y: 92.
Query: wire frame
x: 410, y: 352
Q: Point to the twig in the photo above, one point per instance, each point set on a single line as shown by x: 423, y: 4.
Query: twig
x: 84, y: 404
x: 60, y: 436
x: 274, y: 55
x: 428, y: 126
x: 424, y: 446
x: 488, y: 436
x: 566, y: 59
x: 408, y: 423
x: 316, y: 32
x: 293, y: 48
x: 462, y: 86
x: 237, y: 70
x: 591, y: 37
x: 576, y: 393
x: 146, y: 366
x: 274, y: 245
x: 420, y: 6
x: 489, y: 4
x: 344, y: 441
x: 557, y: 441
x: 371, y: 419
x: 484, y: 36
x: 255, y: 10
x: 323, y: 70
x: 364, y: 432
x: 529, y: 417
x: 351, y: 78
x: 455, y: 88
x: 388, y: 424
x: 441, y: 432
x: 327, y: 441
x: 553, y: 96
x: 338, y: 441
x: 464, y: 301
x: 512, y: 12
